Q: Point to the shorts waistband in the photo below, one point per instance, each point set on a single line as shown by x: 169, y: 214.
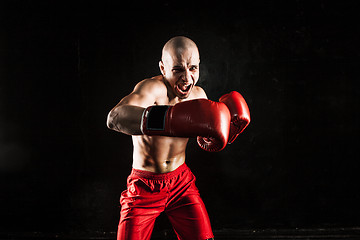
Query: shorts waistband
x: 160, y: 176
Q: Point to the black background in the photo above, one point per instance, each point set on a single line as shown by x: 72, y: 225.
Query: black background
x: 64, y: 65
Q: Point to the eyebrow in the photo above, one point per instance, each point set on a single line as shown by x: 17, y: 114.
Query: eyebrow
x: 179, y: 66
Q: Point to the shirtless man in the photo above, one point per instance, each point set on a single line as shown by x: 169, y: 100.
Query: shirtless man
x: 161, y: 114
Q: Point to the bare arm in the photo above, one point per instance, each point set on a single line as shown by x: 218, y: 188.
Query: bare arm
x: 125, y: 117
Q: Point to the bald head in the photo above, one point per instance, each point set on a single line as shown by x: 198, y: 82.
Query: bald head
x: 176, y: 47
x: 179, y: 65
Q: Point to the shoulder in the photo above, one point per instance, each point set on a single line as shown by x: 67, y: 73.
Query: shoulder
x: 145, y: 93
x: 198, y: 92
x: 154, y: 85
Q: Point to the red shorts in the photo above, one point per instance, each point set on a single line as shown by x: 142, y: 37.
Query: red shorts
x: 148, y: 194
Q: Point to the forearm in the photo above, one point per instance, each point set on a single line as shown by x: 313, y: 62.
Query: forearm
x: 125, y: 119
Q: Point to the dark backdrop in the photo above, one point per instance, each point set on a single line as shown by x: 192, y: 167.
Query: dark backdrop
x: 65, y: 65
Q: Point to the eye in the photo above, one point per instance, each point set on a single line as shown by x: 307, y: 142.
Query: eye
x: 177, y: 70
x: 193, y: 68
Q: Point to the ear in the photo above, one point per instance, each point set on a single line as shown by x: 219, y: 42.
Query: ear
x: 162, y: 67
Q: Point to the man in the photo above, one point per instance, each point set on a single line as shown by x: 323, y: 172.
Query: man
x: 161, y: 114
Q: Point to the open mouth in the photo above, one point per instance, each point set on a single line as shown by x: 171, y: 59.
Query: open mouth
x: 183, y: 89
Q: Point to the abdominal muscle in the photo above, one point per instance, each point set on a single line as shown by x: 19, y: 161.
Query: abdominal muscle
x: 158, y: 154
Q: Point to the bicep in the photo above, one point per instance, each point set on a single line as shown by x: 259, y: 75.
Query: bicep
x: 141, y: 96
x: 126, y: 115
x: 136, y: 99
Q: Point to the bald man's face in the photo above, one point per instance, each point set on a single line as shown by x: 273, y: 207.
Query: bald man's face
x: 180, y: 68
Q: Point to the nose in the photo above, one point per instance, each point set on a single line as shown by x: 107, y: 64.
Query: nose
x: 187, y: 77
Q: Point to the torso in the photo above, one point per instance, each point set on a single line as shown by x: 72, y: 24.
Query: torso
x: 161, y: 154
x: 158, y: 154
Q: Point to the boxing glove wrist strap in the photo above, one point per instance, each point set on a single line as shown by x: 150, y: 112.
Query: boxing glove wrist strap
x: 153, y: 119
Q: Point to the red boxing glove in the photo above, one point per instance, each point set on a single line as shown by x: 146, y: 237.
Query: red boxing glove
x: 240, y: 114
x: 208, y: 120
